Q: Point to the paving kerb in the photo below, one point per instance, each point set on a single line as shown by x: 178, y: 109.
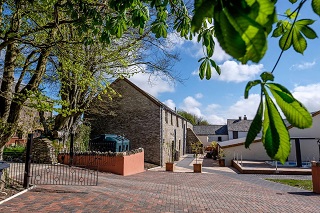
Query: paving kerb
x: 159, y: 191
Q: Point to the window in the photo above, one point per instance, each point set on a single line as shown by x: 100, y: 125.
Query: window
x: 235, y: 134
x: 219, y: 139
x: 177, y: 121
x: 166, y: 117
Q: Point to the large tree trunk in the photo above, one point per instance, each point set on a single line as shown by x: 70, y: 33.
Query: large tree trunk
x: 14, y: 104
x: 65, y: 125
x: 8, y: 81
x: 7, y: 129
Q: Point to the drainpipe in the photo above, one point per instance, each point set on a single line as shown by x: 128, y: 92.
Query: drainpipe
x: 161, y: 137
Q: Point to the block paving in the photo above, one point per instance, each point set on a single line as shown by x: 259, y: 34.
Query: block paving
x: 160, y: 191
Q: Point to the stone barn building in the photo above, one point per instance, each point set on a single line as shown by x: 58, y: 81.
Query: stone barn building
x: 144, y: 120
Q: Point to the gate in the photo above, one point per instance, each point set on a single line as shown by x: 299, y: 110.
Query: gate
x: 32, y: 167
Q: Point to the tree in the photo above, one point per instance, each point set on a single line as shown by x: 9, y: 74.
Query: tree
x: 192, y: 118
x: 69, y: 41
x: 241, y: 27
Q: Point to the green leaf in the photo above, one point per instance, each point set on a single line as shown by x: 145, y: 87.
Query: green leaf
x: 267, y: 76
x: 285, y: 41
x: 202, y: 70
x: 275, y: 134
x: 299, y: 42
x: 208, y: 71
x: 252, y: 34
x: 308, y: 32
x: 229, y: 39
x: 217, y: 68
x: 316, y: 6
x: 250, y: 84
x: 293, y: 1
x: 203, y: 9
x: 207, y: 41
x: 277, y: 32
x: 290, y: 14
x: 255, y: 126
x: 295, y: 112
x: 201, y: 59
x: 267, y: 135
x: 159, y: 28
x: 303, y: 22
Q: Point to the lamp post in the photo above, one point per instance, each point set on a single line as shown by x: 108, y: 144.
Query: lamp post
x: 318, y: 142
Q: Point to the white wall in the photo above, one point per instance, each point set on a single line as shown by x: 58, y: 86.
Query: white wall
x: 314, y: 131
x: 204, y: 139
x: 309, y: 151
x: 240, y: 135
x: 255, y: 152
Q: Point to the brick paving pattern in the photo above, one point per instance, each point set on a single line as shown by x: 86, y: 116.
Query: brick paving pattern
x: 159, y: 191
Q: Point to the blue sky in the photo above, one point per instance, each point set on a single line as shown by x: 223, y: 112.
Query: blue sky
x: 222, y: 97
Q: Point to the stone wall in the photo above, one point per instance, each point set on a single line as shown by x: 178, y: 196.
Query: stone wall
x: 43, y: 151
x: 191, y: 138
x: 174, y: 134
x: 133, y: 115
x: 141, y: 118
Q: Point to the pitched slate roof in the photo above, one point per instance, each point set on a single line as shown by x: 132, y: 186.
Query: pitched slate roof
x: 238, y: 125
x: 211, y: 130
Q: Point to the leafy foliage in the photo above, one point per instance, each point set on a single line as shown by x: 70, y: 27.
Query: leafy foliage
x: 193, y: 119
x: 34, y: 32
x: 275, y: 135
x: 196, y: 147
x: 292, y: 34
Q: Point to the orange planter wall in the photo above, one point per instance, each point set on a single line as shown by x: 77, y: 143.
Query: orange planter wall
x: 121, y: 165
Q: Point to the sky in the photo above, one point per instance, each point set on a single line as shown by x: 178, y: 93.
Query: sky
x: 222, y: 97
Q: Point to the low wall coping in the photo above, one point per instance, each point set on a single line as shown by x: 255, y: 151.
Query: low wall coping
x: 315, y: 163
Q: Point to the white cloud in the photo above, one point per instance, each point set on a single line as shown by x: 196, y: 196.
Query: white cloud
x: 232, y: 71
x: 211, y: 108
x: 196, y: 72
x: 153, y: 84
x: 170, y: 104
x: 243, y: 107
x: 216, y: 120
x: 308, y: 95
x: 192, y: 106
x: 216, y: 114
x: 198, y: 96
x: 303, y: 66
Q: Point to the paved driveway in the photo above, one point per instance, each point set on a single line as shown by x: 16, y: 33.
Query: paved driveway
x: 158, y: 191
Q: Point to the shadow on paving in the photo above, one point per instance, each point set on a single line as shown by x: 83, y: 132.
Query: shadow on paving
x: 57, y: 191
x: 304, y: 193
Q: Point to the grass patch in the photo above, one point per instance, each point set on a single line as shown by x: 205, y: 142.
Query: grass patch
x: 302, y: 184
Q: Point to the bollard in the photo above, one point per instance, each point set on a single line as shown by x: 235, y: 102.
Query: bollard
x: 315, y: 176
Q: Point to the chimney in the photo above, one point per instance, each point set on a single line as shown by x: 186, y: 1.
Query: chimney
x: 244, y: 117
x: 239, y: 118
